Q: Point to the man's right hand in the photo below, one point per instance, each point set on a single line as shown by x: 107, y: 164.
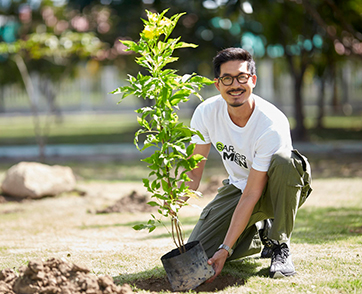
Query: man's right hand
x: 217, y: 262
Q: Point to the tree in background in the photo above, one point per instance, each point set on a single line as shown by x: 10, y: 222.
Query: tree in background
x: 49, y: 41
x: 314, y: 36
x: 306, y: 34
x: 341, y: 25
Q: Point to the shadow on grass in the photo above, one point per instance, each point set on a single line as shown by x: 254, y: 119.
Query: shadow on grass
x: 155, y: 280
x: 235, y: 273
x: 313, y: 225
x: 327, y: 224
x: 189, y: 221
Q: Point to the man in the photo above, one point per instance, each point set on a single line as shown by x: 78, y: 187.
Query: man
x: 267, y: 178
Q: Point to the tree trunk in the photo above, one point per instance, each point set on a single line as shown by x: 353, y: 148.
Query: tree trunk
x: 30, y: 90
x: 321, y: 99
x: 335, y: 98
x: 299, y: 132
x: 2, y: 100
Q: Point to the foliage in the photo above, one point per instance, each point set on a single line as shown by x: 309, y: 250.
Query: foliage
x: 172, y: 157
x: 48, y: 45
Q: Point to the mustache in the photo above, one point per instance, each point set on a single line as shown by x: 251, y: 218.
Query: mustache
x: 236, y: 90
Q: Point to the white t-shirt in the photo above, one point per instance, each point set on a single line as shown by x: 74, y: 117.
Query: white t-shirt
x: 242, y: 148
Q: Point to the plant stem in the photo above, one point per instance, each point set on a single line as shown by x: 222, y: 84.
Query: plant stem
x: 179, y: 242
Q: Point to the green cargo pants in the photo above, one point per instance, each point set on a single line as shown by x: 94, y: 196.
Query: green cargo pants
x: 287, y: 189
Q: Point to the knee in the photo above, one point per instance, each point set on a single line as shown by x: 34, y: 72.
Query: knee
x: 282, y: 158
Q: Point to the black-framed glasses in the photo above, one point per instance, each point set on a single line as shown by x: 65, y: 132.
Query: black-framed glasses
x: 242, y: 78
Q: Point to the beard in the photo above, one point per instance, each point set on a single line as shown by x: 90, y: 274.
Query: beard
x: 237, y: 104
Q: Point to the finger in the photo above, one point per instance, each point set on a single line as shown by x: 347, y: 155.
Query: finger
x: 211, y: 279
x: 210, y: 261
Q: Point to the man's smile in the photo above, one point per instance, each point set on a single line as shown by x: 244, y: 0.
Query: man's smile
x: 236, y: 92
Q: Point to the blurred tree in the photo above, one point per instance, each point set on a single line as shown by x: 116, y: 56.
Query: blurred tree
x: 307, y: 33
x: 304, y: 33
x: 341, y: 25
x: 49, y: 42
x: 287, y: 26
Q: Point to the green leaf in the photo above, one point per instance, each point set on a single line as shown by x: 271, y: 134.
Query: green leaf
x: 155, y: 185
x: 131, y: 46
x: 149, y: 159
x: 201, y: 80
x: 165, y: 185
x: 139, y: 227
x: 161, y: 197
x: 198, y: 157
x: 151, y: 228
x: 153, y: 203
x: 185, y: 45
x: 146, y: 182
x: 190, y: 149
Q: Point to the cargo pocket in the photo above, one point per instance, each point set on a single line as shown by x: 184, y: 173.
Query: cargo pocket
x: 305, y: 176
x: 200, y: 226
x: 205, y: 213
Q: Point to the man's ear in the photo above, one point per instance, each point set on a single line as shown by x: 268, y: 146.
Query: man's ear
x: 254, y: 78
x: 216, y: 83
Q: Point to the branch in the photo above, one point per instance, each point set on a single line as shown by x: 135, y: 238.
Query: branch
x: 346, y: 25
x: 319, y: 19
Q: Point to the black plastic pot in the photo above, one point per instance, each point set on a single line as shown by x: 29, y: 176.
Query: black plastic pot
x: 188, y: 270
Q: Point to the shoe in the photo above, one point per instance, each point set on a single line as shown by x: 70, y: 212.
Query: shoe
x: 267, y: 250
x: 281, y: 262
x: 268, y: 244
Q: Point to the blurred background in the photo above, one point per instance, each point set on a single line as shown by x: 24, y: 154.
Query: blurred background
x: 59, y: 59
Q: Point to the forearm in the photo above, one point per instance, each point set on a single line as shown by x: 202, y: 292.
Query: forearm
x: 239, y: 220
x: 195, y: 175
x: 243, y: 211
x: 195, y: 179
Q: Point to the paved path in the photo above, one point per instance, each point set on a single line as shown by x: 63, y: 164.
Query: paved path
x: 129, y: 151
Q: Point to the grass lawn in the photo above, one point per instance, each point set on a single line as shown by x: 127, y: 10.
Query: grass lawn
x: 326, y: 243
x: 72, y: 129
x: 120, y: 128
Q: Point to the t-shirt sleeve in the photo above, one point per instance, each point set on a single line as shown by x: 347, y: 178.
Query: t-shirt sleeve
x: 197, y: 123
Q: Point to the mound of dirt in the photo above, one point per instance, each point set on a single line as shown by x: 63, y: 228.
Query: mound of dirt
x: 55, y: 276
x: 131, y: 203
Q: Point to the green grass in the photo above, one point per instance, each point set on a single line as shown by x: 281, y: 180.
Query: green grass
x: 120, y: 128
x: 326, y: 242
x: 82, y: 129
x: 328, y: 225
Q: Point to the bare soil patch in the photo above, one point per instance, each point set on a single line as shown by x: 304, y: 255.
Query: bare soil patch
x: 134, y: 202
x: 55, y: 276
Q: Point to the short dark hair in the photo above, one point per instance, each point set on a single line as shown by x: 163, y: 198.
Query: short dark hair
x: 230, y: 54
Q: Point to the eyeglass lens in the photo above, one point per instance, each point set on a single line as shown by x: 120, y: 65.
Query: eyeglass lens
x: 241, y: 78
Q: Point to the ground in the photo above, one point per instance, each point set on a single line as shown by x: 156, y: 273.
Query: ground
x: 83, y: 228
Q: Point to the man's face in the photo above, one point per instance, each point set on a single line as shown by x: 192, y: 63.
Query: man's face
x: 235, y: 94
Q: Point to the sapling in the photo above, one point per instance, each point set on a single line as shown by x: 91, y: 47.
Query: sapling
x: 159, y: 124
